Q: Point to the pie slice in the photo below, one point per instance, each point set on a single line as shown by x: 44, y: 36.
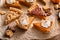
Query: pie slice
x: 37, y: 11
x: 24, y: 23
x: 12, y: 16
x: 44, y: 26
x: 12, y: 4
x: 27, y: 3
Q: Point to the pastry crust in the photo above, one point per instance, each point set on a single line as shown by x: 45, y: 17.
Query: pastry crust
x: 24, y: 26
x: 37, y: 11
x: 24, y: 2
x: 12, y: 16
x: 16, y: 4
x: 39, y: 27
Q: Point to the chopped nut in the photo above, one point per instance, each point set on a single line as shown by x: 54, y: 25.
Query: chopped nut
x: 2, y: 12
x: 47, y: 10
x: 9, y: 33
x: 57, y: 6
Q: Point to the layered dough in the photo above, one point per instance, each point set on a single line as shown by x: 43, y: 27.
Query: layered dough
x: 12, y: 15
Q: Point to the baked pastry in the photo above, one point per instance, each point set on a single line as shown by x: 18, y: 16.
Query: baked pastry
x: 12, y: 3
x: 55, y: 1
x: 44, y: 26
x: 2, y: 12
x: 27, y: 3
x: 25, y: 22
x: 10, y: 31
x: 13, y: 15
x: 47, y: 10
x: 15, y: 10
x: 37, y: 11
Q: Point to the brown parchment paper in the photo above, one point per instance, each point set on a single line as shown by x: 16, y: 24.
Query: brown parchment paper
x: 31, y: 33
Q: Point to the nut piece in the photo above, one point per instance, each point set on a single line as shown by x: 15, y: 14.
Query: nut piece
x: 47, y: 10
x: 2, y: 12
x: 9, y: 33
x: 57, y: 6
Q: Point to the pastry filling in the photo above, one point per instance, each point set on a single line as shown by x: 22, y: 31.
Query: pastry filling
x: 45, y: 23
x: 24, y: 21
x: 29, y: 0
x: 10, y: 1
x: 37, y: 11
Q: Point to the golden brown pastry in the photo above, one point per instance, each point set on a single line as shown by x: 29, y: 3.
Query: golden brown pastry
x: 12, y: 15
x: 24, y: 23
x: 55, y: 1
x: 12, y: 3
x: 44, y: 26
x: 27, y: 3
x: 37, y: 11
